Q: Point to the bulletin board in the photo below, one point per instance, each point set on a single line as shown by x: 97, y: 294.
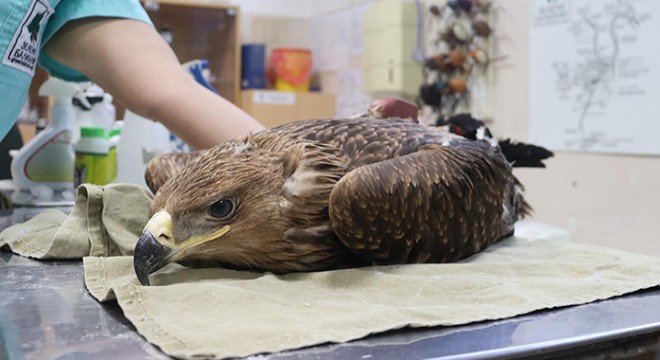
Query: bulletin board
x: 337, y: 39
x: 595, y: 75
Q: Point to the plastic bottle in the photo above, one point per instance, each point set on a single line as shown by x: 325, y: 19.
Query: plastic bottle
x: 48, y: 159
x: 93, y: 108
x: 109, y: 111
x: 113, y: 139
x: 141, y: 140
x: 103, y: 112
x: 92, y: 157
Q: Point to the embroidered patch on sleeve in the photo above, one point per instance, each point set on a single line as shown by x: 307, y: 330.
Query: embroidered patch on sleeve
x: 23, y: 50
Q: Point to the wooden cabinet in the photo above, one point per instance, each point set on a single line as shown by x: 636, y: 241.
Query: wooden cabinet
x: 203, y: 30
x: 274, y: 108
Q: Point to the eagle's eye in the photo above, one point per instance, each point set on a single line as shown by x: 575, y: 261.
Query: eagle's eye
x: 222, y: 208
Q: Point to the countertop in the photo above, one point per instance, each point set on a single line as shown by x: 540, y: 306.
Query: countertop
x: 46, y: 313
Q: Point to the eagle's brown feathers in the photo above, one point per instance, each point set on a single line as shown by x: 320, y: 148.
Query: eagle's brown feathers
x: 321, y: 194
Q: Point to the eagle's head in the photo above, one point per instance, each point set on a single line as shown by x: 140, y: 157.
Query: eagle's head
x: 251, y: 203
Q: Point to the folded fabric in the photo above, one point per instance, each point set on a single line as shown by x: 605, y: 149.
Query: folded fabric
x: 217, y: 313
x: 105, y: 221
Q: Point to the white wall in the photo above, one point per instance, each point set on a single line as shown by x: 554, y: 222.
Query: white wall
x: 602, y: 199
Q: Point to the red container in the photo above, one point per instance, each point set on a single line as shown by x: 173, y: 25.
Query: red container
x: 290, y: 69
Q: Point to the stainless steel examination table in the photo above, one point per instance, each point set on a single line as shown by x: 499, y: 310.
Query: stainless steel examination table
x: 46, y: 313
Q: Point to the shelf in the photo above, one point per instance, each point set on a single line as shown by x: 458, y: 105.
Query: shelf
x: 202, y: 30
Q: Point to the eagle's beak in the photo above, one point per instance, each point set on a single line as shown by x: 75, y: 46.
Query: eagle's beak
x: 156, y: 246
x: 149, y: 256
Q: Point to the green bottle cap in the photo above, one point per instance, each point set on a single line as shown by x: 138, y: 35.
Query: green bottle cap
x: 114, y: 132
x: 92, y: 131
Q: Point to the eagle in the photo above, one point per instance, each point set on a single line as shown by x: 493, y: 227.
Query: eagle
x: 327, y: 194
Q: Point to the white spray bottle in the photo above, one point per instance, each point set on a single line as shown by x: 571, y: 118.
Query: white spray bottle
x: 45, y: 164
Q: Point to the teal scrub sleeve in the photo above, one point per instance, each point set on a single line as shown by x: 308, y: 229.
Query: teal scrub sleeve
x: 68, y: 10
x: 12, y: 99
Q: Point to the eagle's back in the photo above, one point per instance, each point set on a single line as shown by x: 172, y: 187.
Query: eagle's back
x: 364, y: 140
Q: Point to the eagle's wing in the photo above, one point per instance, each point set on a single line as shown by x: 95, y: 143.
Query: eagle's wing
x: 163, y: 167
x: 439, y: 204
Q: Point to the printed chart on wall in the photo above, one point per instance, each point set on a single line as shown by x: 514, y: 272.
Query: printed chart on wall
x: 595, y: 75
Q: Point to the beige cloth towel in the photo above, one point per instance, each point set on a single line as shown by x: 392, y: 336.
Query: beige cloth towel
x: 217, y: 313
x: 105, y: 221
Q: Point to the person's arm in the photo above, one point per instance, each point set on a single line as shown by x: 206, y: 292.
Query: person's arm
x: 130, y: 60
